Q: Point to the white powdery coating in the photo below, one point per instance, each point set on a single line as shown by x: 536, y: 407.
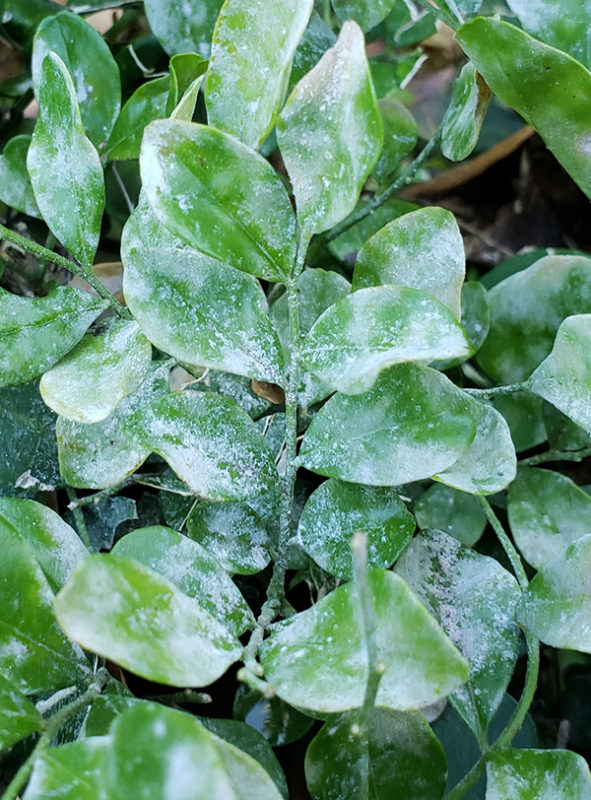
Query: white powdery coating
x: 538, y: 775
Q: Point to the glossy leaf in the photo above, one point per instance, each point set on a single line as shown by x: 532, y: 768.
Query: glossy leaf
x: 549, y: 89
x: 277, y: 721
x: 564, y: 377
x: 412, y: 424
x: 201, y: 311
x: 556, y: 606
x: 474, y: 599
x: 101, y: 370
x: 547, y: 512
x: 330, y: 133
x: 475, y: 313
x: 371, y: 329
x: 400, y: 135
x: 167, y: 752
x: 375, y: 753
x: 523, y: 412
x: 15, y: 185
x: 537, y: 775
x: 565, y: 26
x: 317, y: 39
x: 233, y: 533
x: 55, y: 545
x: 35, y: 333
x: 249, y: 69
x: 454, y: 512
x: 65, y: 169
x: 423, y: 250
x: 182, y: 27
x: 220, y: 196
x: 489, y: 464
x: 526, y: 311
x: 75, y: 771
x: 91, y: 66
x: 463, y: 119
x: 147, y: 103
x: 18, y: 716
x: 128, y: 613
x: 336, y: 510
x: 366, y: 13
x: 420, y: 663
x: 192, y: 569
x: 100, y: 455
x: 34, y: 653
x: 210, y: 443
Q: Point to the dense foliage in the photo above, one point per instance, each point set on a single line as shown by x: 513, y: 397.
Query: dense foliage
x: 267, y: 474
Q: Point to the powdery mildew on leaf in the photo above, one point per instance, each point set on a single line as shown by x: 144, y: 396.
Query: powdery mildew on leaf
x: 374, y: 328
x: 367, y: 13
x: 201, y: 311
x: 210, y: 443
x: 475, y: 600
x: 65, y: 169
x: 126, y: 612
x: 87, y: 385
x: 317, y: 659
x: 220, y: 196
x: 190, y: 567
x: 15, y: 185
x: 35, y: 333
x: 183, y: 26
x: 423, y: 250
x: 18, y: 716
x: 253, y: 46
x: 412, y: 424
x: 330, y: 133
x: 537, y: 775
x: 74, y: 771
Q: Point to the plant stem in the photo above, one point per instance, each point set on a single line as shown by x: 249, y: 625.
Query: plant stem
x: 98, y: 497
x: 276, y: 588
x: 440, y: 13
x: 375, y: 669
x: 52, y: 727
x: 505, y: 542
x: 496, y: 391
x: 557, y: 455
x: 85, y: 272
x: 79, y: 518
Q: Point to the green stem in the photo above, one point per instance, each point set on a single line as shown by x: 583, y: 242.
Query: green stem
x: 52, y: 727
x: 276, y: 588
x: 506, y: 543
x: 496, y: 391
x: 78, y: 269
x: 440, y: 13
x: 98, y: 497
x: 79, y: 518
x: 375, y: 669
x: 557, y: 455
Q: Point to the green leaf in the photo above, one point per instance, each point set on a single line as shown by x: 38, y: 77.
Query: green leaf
x: 475, y: 313
x: 65, y: 169
x: 185, y: 69
x: 400, y: 136
x: 100, y: 455
x: 317, y: 38
x: 454, y: 512
x: 159, y: 752
x: 75, y: 771
x: 375, y: 753
x: 556, y: 606
x: 233, y: 533
x: 420, y: 663
x: 249, y: 69
x: 413, y: 423
x: 474, y: 599
x: 526, y: 311
x: 87, y: 385
x: 201, y: 311
x: 465, y: 114
x: 210, y: 443
x: 547, y: 512
x: 537, y: 775
x: 330, y: 133
x: 55, y: 545
x: 336, y: 510
x: 182, y: 27
x: 220, y: 196
x: 564, y: 377
x: 35, y: 333
x: 549, y: 89
x: 28, y: 450
x: 523, y: 412
x: 489, y: 464
x: 366, y: 13
x: 34, y: 653
x: 147, y: 103
x: 89, y: 62
x: 18, y: 716
x: 352, y: 240
x: 423, y: 250
x: 15, y: 185
x: 192, y: 569
x: 564, y: 26
x: 562, y: 433
x: 128, y: 613
x: 277, y: 721
x: 371, y: 329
